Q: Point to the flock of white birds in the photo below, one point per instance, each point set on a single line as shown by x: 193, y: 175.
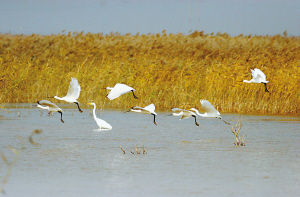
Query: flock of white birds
x: 119, y: 89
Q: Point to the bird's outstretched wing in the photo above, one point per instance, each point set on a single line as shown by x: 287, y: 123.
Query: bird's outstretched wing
x: 118, y: 90
x: 177, y: 109
x: 260, y: 74
x: 74, y: 89
x: 137, y: 108
x: 208, y: 107
x: 47, y: 103
x: 254, y: 74
x: 150, y: 107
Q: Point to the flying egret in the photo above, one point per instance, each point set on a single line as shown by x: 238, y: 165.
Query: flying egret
x: 73, y: 93
x: 51, y: 107
x: 102, y: 124
x: 184, y: 114
x: 258, y: 77
x: 150, y: 109
x: 210, y: 111
x: 118, y: 90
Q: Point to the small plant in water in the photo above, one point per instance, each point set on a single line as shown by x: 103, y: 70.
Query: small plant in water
x: 235, y: 129
x: 137, y: 150
x: 122, y: 150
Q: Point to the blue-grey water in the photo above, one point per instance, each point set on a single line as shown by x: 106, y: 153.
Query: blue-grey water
x: 181, y: 160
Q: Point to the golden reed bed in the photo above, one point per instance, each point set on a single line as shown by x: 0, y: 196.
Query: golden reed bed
x: 170, y: 70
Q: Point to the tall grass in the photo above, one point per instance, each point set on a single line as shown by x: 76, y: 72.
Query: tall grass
x: 166, y: 69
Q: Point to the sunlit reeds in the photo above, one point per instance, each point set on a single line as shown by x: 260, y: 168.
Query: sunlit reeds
x: 165, y: 69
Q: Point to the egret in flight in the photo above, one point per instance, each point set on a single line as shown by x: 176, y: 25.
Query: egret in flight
x: 184, y: 114
x: 51, y: 107
x: 102, y: 124
x: 210, y: 111
x: 258, y: 77
x: 118, y: 90
x: 150, y: 109
x: 73, y: 93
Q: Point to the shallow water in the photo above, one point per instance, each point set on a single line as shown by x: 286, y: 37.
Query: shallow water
x: 182, y: 159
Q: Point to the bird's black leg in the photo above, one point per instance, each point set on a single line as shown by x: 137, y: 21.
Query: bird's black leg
x: 154, y: 119
x: 196, y: 123
x: 78, y: 106
x: 61, y: 117
x: 134, y: 94
x: 266, y: 89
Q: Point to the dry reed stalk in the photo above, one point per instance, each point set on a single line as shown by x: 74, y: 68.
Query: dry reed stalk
x: 122, y: 150
x: 144, y: 150
x: 235, y: 129
x: 166, y: 69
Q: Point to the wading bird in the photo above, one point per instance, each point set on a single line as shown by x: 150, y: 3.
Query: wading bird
x: 73, y: 93
x: 51, y: 107
x: 258, y: 77
x: 210, y: 111
x: 102, y: 124
x: 184, y: 114
x: 118, y: 90
x: 150, y: 109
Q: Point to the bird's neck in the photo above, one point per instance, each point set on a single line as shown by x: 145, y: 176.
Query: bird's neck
x: 246, y: 81
x: 198, y: 113
x: 42, y: 107
x: 59, y: 98
x: 94, y: 112
x: 109, y: 88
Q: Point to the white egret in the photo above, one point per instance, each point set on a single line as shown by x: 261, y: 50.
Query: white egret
x: 149, y: 109
x: 210, y: 111
x: 73, y: 93
x: 51, y: 107
x: 118, y: 90
x: 184, y: 114
x: 258, y: 77
x: 102, y: 124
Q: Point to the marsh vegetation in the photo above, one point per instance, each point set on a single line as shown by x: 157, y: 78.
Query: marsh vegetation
x: 165, y: 69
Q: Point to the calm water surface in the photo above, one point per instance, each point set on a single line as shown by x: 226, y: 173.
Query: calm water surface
x: 182, y: 160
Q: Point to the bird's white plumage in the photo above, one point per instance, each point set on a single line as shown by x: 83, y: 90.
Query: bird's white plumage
x: 118, y: 90
x: 73, y: 92
x: 183, y: 113
x: 149, y: 109
x: 102, y: 124
x: 74, y: 89
x: 48, y: 105
x: 51, y: 107
x: 210, y: 111
x: 209, y: 108
x: 257, y: 77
